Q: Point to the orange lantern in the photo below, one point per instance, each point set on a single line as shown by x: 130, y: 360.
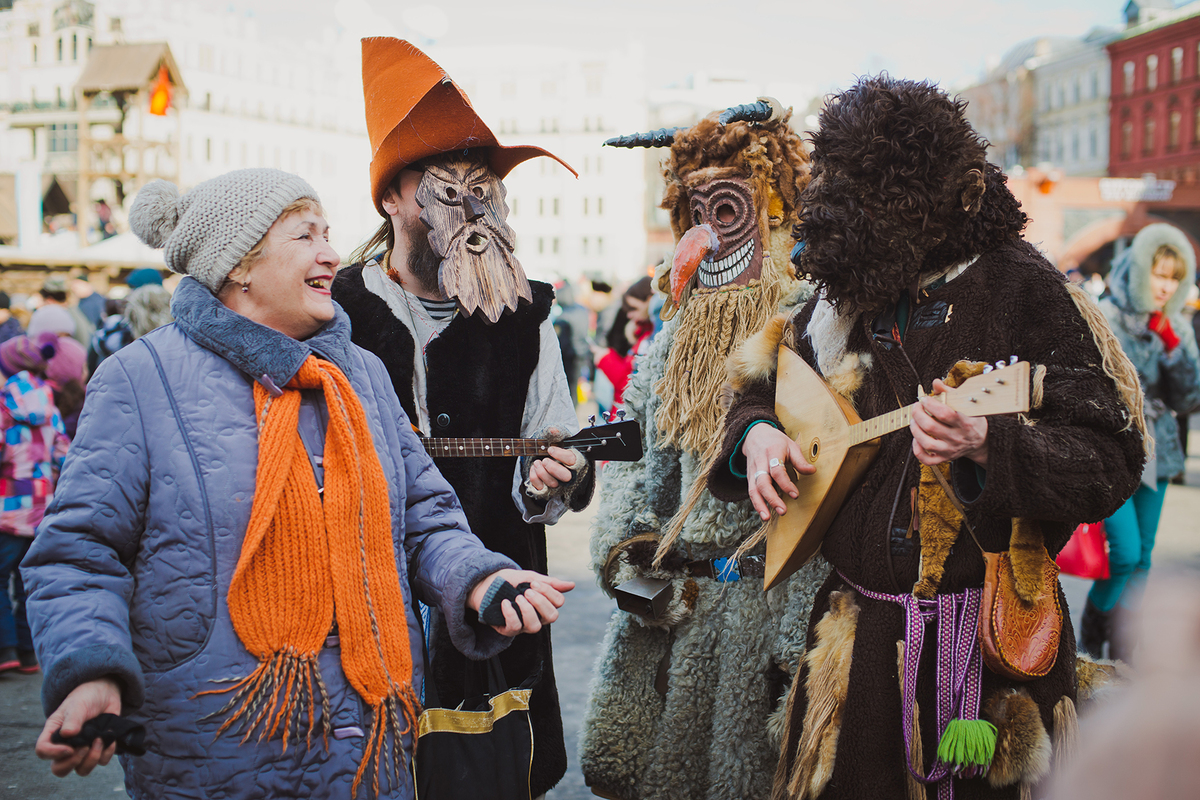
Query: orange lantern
x: 160, y: 96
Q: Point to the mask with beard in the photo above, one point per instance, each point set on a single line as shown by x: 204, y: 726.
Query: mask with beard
x: 462, y: 204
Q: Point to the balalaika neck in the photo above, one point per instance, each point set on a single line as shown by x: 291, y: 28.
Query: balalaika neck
x: 875, y: 427
x: 478, y: 448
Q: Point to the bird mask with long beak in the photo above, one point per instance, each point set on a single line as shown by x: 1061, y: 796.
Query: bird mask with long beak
x: 733, y: 183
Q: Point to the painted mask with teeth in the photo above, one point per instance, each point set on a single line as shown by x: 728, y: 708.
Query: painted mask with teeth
x: 462, y: 203
x: 727, y: 206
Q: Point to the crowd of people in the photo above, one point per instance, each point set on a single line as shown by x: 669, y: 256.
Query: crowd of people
x: 238, y: 514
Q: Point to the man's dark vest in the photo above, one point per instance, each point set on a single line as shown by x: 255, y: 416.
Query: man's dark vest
x: 477, y: 378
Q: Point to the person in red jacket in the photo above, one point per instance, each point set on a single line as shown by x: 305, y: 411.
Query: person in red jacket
x: 628, y: 337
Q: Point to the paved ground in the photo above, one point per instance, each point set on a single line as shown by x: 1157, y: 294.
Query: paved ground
x: 576, y: 644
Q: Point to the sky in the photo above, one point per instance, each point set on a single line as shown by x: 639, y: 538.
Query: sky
x: 819, y: 45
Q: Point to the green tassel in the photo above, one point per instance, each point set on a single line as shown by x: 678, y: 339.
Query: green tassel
x: 967, y: 743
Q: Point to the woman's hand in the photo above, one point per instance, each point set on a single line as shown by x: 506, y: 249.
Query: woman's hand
x: 88, y: 700
x: 550, y: 472
x: 768, y: 451
x: 941, y: 434
x: 539, y: 604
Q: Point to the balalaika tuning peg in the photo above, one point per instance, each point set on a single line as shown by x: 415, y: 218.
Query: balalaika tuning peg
x: 592, y: 420
x: 988, y: 368
x: 621, y: 415
x: 1012, y: 359
x: 1001, y: 364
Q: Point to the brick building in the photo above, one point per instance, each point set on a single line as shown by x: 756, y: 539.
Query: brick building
x: 1154, y: 123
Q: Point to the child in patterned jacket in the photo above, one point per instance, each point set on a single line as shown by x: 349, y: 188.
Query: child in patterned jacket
x: 33, y: 444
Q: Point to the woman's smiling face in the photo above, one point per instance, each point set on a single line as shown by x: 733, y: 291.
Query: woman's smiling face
x: 288, y: 284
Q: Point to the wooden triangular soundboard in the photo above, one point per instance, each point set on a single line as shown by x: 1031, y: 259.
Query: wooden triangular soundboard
x: 841, y: 446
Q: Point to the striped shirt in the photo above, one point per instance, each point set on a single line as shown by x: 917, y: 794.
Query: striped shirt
x: 439, y: 309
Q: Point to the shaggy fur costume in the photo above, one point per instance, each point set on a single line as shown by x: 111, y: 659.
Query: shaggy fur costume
x: 826, y: 681
x: 1076, y: 457
x: 685, y: 705
x: 725, y: 650
x: 1022, y: 745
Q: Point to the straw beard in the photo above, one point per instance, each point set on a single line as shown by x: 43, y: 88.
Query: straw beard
x: 462, y: 204
x: 711, y: 326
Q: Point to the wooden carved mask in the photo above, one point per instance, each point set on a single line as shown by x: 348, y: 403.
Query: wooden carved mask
x: 727, y: 207
x: 462, y: 203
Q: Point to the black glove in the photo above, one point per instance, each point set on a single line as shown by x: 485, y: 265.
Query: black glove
x: 492, y: 613
x: 129, y: 736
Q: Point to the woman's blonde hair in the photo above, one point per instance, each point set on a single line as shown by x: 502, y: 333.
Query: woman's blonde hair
x: 256, y: 252
x: 1166, y: 251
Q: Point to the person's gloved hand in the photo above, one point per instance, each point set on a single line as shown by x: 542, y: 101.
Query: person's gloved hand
x: 1162, y: 326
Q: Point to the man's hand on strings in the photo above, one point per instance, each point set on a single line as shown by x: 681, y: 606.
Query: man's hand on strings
x: 768, y: 451
x: 552, y: 471
x: 941, y: 434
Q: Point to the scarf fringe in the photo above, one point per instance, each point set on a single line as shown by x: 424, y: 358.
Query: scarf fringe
x: 276, y: 697
x: 392, y: 717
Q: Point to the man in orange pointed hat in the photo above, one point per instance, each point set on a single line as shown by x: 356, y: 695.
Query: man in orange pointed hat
x: 438, y: 295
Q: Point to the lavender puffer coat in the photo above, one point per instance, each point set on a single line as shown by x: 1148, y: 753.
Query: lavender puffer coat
x: 129, y: 571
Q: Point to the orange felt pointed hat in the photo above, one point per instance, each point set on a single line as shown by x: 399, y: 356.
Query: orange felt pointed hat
x: 414, y: 110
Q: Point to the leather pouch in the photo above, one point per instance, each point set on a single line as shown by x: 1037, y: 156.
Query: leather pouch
x: 1019, y: 640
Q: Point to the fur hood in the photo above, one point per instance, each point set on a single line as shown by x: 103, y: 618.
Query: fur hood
x: 1129, y: 281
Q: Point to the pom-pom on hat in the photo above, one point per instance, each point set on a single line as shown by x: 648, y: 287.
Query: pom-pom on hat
x: 67, y: 363
x: 207, y: 230
x: 414, y: 111
x: 28, y: 354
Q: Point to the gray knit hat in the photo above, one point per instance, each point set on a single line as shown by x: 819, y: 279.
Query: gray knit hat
x: 208, y: 230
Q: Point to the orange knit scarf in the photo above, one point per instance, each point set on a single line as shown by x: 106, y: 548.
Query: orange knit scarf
x: 303, y: 562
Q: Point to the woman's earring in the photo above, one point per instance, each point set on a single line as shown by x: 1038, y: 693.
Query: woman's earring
x: 245, y: 287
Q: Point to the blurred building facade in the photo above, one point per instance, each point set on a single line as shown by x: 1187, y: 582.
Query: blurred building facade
x: 251, y: 101
x: 1002, y: 105
x: 1071, y: 88
x: 1155, y: 118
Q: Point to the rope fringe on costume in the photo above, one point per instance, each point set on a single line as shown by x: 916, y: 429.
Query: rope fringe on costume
x: 1066, y: 731
x: 1117, y: 365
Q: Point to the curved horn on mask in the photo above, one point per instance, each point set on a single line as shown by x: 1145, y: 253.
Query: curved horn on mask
x: 663, y: 137
x: 766, y: 108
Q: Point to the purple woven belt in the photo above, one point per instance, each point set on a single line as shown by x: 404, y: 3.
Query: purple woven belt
x: 959, y: 669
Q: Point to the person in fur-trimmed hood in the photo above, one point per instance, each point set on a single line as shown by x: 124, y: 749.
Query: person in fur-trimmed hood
x: 466, y: 338
x: 1146, y: 291
x: 683, y: 699
x: 914, y: 244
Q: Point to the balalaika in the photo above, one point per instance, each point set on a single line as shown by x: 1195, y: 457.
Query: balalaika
x: 841, y: 446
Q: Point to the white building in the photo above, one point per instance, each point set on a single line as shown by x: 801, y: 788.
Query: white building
x: 252, y: 101
x: 567, y: 100
x: 1072, y: 92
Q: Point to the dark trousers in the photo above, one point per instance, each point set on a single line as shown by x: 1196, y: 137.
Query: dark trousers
x: 14, y: 627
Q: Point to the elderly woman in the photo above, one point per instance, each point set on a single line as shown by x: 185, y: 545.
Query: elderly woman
x: 1147, y: 288
x: 229, y: 556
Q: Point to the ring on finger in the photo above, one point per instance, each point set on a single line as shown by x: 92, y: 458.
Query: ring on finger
x: 760, y: 472
x: 774, y: 462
